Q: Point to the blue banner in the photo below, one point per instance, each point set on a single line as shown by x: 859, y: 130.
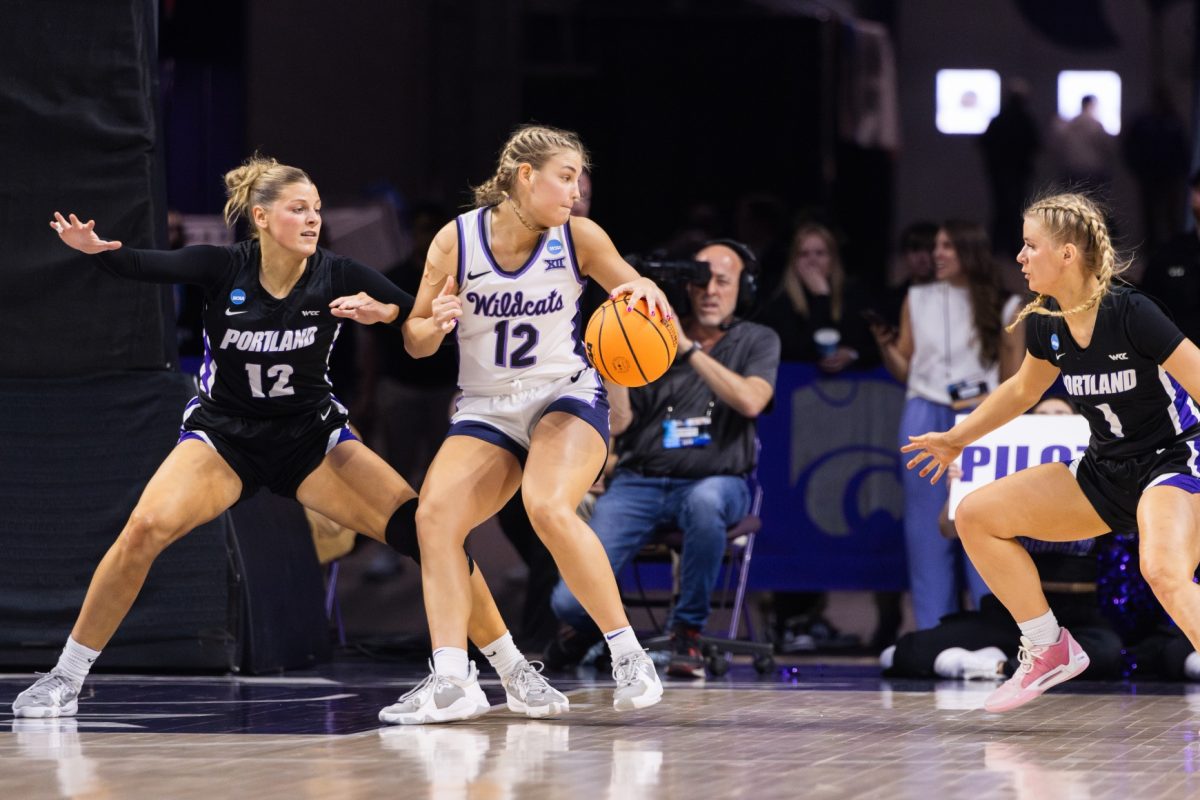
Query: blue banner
x: 832, y: 501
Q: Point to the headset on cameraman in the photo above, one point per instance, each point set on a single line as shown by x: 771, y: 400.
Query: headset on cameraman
x: 747, y: 282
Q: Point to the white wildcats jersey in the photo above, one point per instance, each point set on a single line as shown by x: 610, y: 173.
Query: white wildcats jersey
x: 519, y: 329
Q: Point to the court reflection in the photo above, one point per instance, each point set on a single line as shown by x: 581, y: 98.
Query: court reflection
x: 57, y: 740
x: 494, y: 762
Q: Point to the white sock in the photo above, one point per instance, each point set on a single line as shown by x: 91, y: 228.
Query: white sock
x: 622, y: 641
x: 503, y: 655
x: 1041, y: 630
x: 1191, y: 666
x: 451, y: 662
x: 76, y: 661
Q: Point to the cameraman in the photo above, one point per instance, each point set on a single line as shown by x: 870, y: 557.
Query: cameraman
x: 685, y: 444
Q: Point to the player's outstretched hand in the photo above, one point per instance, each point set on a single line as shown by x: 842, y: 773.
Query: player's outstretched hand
x: 81, y: 236
x: 935, y: 449
x: 363, y: 308
x: 447, y: 307
x: 644, y: 288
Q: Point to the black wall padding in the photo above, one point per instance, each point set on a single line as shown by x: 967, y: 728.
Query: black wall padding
x: 283, y: 622
x: 78, y: 102
x: 75, y: 455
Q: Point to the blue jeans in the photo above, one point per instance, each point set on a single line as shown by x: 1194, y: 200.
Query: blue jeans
x: 634, y: 507
x: 937, y: 566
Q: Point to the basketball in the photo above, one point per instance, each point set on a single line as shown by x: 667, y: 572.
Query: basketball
x: 630, y: 348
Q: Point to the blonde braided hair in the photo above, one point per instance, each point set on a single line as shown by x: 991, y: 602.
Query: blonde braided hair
x: 257, y: 182
x: 1076, y: 219
x: 529, y: 144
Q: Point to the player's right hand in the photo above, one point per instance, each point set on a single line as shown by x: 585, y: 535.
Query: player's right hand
x: 935, y: 449
x: 81, y: 236
x: 447, y: 307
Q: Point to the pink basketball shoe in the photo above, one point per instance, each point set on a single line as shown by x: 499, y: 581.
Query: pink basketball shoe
x: 1042, y: 666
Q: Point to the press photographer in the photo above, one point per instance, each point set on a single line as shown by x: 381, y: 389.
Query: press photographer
x: 686, y: 444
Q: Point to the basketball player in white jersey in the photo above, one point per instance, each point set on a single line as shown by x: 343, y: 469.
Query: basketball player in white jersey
x: 506, y: 279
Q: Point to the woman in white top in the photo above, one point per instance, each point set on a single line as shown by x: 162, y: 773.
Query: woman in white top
x: 950, y: 351
x: 506, y: 279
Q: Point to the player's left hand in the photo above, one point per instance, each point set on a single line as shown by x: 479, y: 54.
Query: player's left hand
x: 363, y: 308
x: 937, y: 449
x: 645, y: 289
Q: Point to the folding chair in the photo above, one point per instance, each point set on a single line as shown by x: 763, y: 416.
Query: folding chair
x: 739, y: 549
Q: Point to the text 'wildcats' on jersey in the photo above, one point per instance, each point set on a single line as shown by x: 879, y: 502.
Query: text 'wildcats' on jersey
x: 519, y: 329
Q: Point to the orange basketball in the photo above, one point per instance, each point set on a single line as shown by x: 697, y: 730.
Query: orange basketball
x: 631, y: 348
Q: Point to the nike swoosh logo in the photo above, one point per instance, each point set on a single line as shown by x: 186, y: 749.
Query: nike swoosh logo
x: 489, y: 655
x: 231, y: 313
x: 1057, y: 356
x: 615, y: 635
x: 479, y: 275
x: 326, y: 414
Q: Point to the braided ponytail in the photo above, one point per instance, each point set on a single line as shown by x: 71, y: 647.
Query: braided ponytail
x: 529, y: 144
x: 1078, y: 220
x: 257, y: 182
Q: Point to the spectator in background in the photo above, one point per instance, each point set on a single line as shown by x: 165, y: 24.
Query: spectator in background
x: 913, y: 266
x: 948, y: 353
x: 1173, y: 273
x: 761, y: 223
x: 810, y: 309
x: 916, y: 254
x: 1009, y: 146
x: 819, y: 320
x: 701, y: 223
x: 1085, y: 150
x: 1157, y: 150
x: 722, y: 379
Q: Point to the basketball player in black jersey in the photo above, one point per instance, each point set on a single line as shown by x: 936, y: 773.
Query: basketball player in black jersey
x: 1133, y: 375
x: 265, y: 415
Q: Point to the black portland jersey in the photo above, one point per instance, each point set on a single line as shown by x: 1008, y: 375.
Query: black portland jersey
x: 1132, y: 405
x: 263, y: 356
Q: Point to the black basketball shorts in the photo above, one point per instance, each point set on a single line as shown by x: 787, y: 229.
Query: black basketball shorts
x: 1114, y: 486
x: 278, y: 453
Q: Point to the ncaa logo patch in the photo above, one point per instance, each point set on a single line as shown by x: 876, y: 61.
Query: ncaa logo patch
x: 1054, y: 340
x: 237, y: 297
x: 554, y: 247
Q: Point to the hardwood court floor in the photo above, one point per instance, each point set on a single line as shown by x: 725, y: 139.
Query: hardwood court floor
x: 816, y: 732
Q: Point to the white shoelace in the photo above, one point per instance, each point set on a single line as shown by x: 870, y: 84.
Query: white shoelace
x: 625, y: 671
x: 430, y: 682
x: 529, y: 678
x: 418, y: 688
